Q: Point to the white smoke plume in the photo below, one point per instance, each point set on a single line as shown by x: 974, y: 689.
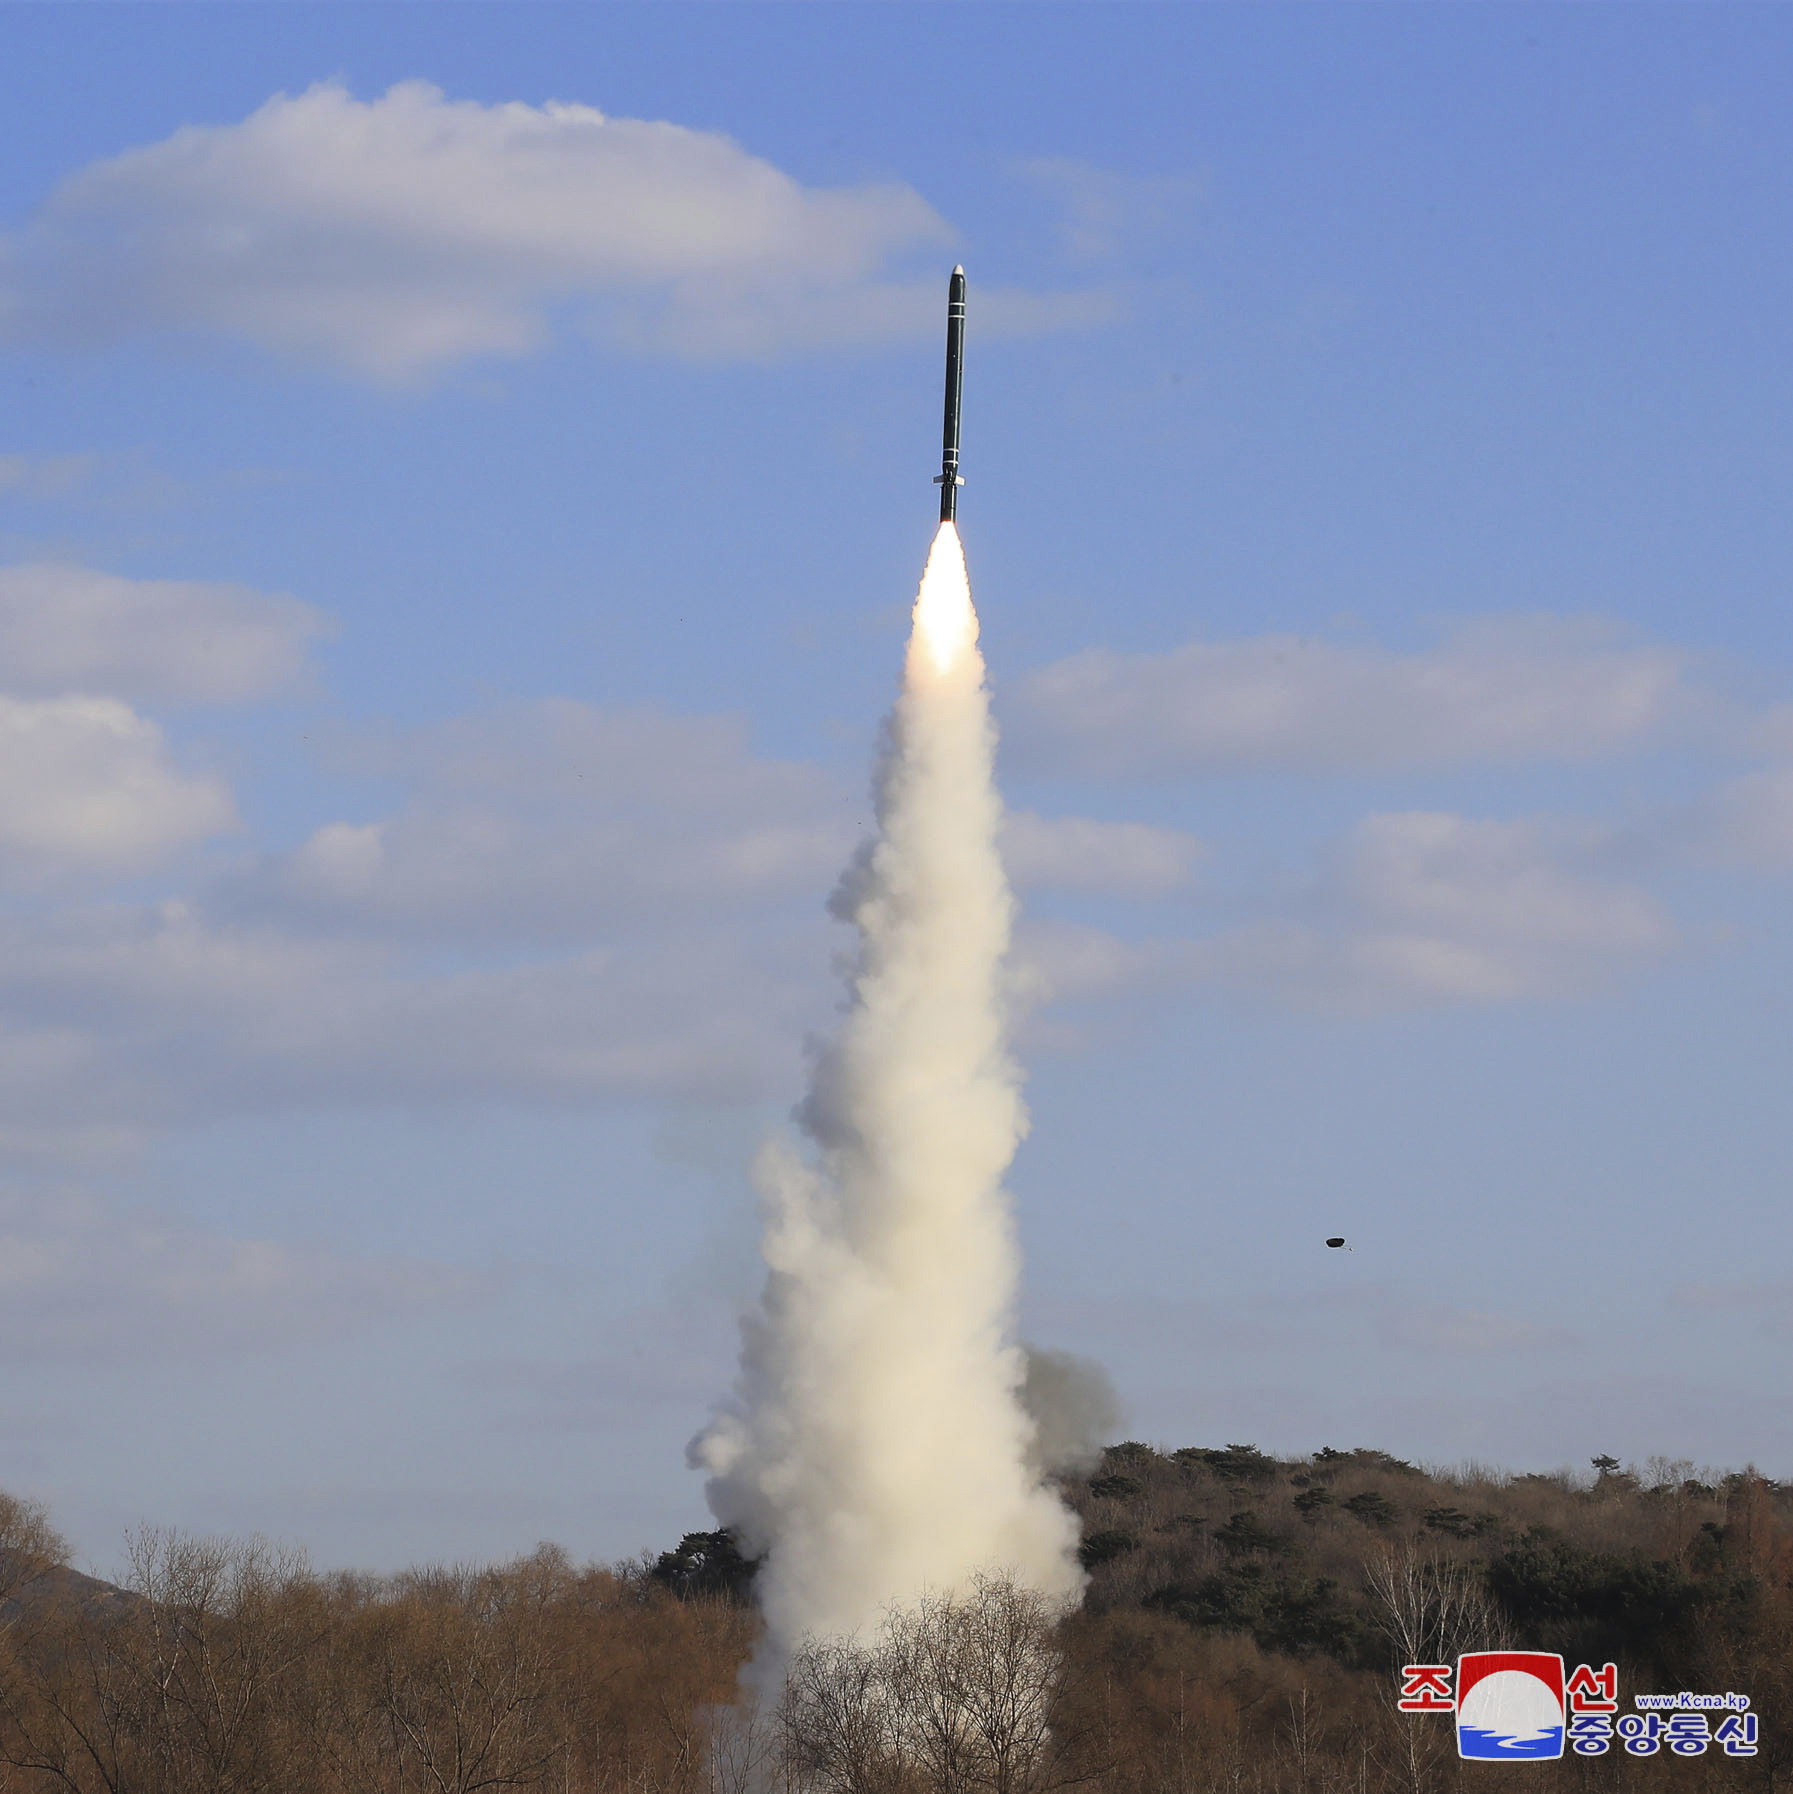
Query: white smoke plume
x: 877, y: 1448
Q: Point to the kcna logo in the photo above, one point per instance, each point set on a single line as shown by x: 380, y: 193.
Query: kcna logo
x: 1509, y: 1705
x: 1516, y: 1706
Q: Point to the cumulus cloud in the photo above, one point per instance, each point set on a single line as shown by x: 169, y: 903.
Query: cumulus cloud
x: 81, y: 1279
x: 1078, y: 853
x: 1409, y: 908
x: 397, y: 235
x: 1077, y: 962
x: 1744, y: 821
x: 576, y: 905
x: 88, y: 786
x: 561, y: 819
x: 1530, y: 886
x: 1749, y: 820
x: 146, y: 1018
x: 570, y: 905
x: 1427, y: 907
x: 470, y: 869
x: 1538, y: 689
x: 1105, y: 211
x: 140, y: 1018
x: 67, y: 629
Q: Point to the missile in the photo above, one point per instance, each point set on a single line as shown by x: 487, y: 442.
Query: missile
x: 948, y: 477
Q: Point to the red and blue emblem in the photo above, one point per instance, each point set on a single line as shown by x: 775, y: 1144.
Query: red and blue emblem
x: 1509, y: 1706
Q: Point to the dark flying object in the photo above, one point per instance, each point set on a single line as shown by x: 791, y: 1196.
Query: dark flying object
x: 1337, y: 1241
x: 948, y: 477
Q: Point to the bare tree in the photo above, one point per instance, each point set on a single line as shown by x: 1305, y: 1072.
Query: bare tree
x: 464, y: 1678
x: 1432, y: 1608
x: 215, y: 1631
x: 839, y: 1722
x: 173, y: 1685
x: 741, y: 1749
x: 1006, y: 1672
x: 29, y: 1546
x: 922, y: 1662
x: 956, y: 1695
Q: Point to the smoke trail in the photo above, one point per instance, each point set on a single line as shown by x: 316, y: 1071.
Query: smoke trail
x: 876, y: 1447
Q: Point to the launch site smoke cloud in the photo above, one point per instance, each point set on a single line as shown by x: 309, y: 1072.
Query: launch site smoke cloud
x: 877, y: 1446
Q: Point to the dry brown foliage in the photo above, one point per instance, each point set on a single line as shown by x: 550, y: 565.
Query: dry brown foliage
x: 1241, y: 1627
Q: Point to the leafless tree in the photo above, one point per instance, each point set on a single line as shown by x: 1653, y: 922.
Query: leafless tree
x: 465, y: 1672
x: 841, y: 1729
x: 175, y: 1684
x: 1432, y: 1608
x: 29, y: 1546
x: 741, y: 1748
x: 1005, y: 1670
x: 956, y: 1694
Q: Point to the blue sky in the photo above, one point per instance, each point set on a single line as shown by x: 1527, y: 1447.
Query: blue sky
x: 463, y: 475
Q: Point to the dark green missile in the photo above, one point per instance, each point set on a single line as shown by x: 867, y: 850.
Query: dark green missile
x: 948, y: 477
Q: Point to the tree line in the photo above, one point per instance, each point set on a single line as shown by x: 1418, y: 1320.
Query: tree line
x: 1241, y: 1629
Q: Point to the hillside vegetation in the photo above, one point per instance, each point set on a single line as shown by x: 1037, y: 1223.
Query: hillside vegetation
x: 1246, y: 1616
x: 1243, y: 1623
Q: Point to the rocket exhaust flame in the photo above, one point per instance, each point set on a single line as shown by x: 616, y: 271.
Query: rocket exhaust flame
x: 875, y: 1448
x: 943, y: 634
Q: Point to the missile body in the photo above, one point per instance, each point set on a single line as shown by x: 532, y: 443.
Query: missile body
x: 948, y: 478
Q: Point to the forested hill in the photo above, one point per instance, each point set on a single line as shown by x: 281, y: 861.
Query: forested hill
x: 1241, y: 1631
x: 1317, y: 1557
x: 1246, y: 1615
x: 1307, y: 1556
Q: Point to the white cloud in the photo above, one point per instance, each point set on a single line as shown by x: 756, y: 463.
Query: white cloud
x: 561, y: 820
x: 70, y: 629
x: 1074, y: 962
x: 1425, y: 907
x: 1496, y: 882
x: 559, y: 750
x: 1078, y: 853
x: 1105, y: 211
x: 124, y: 1019
x: 88, y: 786
x: 79, y: 1278
x: 577, y: 905
x: 1537, y: 689
x: 396, y: 235
x: 1409, y: 909
x: 1745, y: 821
x: 557, y: 819
x: 572, y: 905
x: 1750, y: 820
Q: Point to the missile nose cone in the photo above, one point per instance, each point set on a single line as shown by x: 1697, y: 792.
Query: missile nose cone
x: 959, y: 271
